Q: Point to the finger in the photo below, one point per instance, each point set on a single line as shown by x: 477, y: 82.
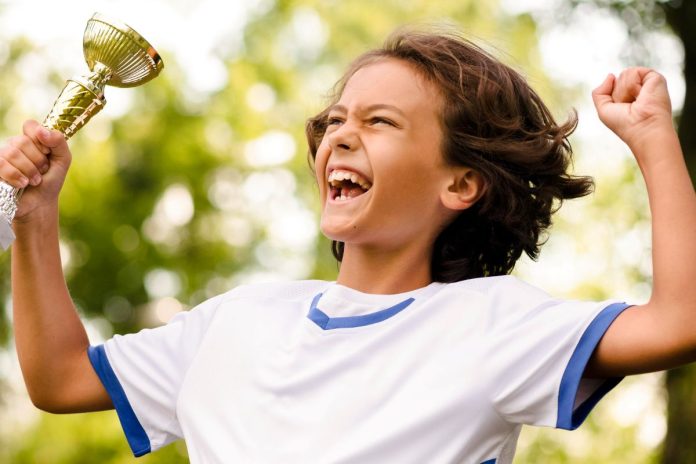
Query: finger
x: 652, y: 80
x: 26, y: 158
x: 30, y: 147
x: 29, y: 128
x: 606, y: 86
x: 645, y: 73
x: 56, y: 142
x: 629, y: 84
x: 655, y: 88
x: 602, y: 94
x: 8, y: 172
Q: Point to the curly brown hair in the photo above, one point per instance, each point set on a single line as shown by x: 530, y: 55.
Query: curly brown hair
x: 494, y: 123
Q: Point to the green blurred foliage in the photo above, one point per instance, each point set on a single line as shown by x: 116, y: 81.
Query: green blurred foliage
x: 122, y: 169
x: 81, y: 439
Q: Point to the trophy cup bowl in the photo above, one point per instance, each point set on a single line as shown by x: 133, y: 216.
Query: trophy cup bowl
x: 116, y: 55
x: 131, y: 59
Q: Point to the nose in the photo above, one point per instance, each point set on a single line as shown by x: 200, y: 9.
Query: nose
x: 344, y: 138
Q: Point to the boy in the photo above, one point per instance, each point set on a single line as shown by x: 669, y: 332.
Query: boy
x: 437, y: 167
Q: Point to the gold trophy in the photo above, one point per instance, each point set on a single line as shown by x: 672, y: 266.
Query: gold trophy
x: 117, y: 56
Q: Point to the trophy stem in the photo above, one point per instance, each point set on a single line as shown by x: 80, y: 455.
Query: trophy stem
x: 81, y: 98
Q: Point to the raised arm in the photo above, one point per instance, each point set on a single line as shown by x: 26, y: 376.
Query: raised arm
x: 660, y: 334
x: 50, y: 338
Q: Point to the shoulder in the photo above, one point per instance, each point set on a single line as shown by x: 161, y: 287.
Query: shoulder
x: 509, y: 303
x: 245, y: 295
x: 295, y: 290
x: 508, y: 300
x: 499, y: 290
x: 298, y: 290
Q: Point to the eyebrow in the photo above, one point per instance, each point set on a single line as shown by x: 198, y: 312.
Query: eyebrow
x: 376, y: 106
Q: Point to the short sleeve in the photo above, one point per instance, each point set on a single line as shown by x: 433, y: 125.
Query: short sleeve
x: 143, y: 374
x: 537, y: 351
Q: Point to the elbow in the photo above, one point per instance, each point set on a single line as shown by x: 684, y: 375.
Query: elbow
x: 47, y: 401
x: 43, y: 402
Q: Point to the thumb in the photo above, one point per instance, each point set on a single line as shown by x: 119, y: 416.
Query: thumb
x: 602, y: 94
x: 55, y: 141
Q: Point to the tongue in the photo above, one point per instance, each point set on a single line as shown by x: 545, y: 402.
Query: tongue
x: 352, y: 191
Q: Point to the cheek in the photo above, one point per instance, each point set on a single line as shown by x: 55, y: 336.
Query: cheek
x: 320, y: 161
x: 323, y: 151
x: 412, y: 188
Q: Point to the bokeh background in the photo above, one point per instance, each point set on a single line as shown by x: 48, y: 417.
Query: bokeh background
x: 198, y: 181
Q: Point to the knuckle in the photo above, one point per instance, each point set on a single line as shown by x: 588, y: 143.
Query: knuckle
x: 15, y: 140
x: 14, y: 154
x: 11, y: 175
x: 26, y: 144
x: 31, y: 128
x: 21, y: 142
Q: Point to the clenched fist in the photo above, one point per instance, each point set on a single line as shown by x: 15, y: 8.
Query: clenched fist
x: 635, y: 105
x: 38, y: 160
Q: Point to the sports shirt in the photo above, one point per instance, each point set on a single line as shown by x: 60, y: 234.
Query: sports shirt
x: 316, y: 372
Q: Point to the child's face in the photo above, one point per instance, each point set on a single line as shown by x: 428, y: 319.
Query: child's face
x: 385, y: 129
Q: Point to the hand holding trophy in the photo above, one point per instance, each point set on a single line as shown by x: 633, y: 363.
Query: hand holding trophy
x: 117, y: 56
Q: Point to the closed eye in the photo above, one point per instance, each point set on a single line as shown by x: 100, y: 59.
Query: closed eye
x: 334, y: 121
x: 381, y: 120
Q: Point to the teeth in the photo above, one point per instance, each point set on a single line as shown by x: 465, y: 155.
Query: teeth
x: 338, y: 175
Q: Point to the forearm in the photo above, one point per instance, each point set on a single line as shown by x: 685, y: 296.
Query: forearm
x: 659, y: 334
x: 49, y: 334
x: 673, y: 209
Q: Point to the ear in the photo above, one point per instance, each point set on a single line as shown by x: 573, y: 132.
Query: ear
x: 464, y: 188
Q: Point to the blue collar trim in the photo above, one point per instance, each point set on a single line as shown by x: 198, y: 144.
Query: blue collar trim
x: 321, y: 319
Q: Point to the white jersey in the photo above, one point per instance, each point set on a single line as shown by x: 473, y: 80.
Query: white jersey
x: 315, y: 372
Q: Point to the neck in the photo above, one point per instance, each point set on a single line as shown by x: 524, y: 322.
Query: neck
x: 381, y: 271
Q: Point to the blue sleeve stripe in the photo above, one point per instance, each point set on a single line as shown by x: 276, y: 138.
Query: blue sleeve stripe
x: 135, y: 433
x: 568, y: 417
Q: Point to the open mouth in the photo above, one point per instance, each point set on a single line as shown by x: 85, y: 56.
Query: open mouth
x: 345, y: 185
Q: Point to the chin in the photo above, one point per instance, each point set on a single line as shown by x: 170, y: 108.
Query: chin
x: 331, y: 232
x: 335, y: 230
